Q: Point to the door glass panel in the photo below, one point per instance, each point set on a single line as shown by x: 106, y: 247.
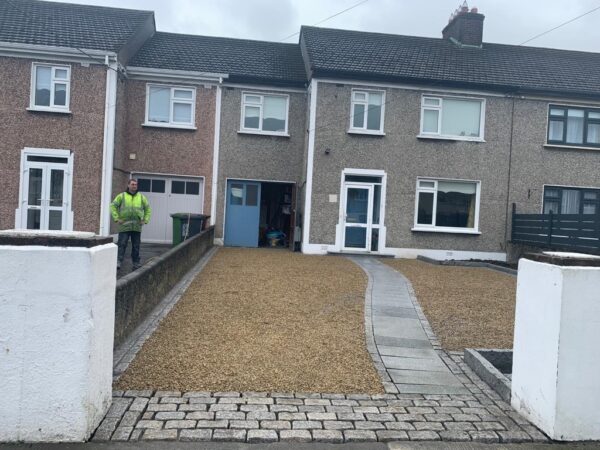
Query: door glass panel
x: 178, y: 187
x: 363, y: 179
x: 375, y: 239
x: 425, y: 212
x: 50, y: 159
x: 158, y: 186
x: 237, y: 194
x: 376, y: 203
x: 55, y: 220
x: 192, y: 188
x: 251, y: 195
x: 143, y: 185
x: 56, y: 189
x: 356, y: 237
x: 35, y: 188
x: 33, y: 219
x: 357, y: 205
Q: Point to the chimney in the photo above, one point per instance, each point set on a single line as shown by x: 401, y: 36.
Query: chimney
x: 465, y: 27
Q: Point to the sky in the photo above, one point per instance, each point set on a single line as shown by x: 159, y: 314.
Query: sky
x: 506, y: 21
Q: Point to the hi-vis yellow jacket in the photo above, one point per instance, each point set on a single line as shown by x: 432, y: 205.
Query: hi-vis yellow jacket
x: 134, y: 210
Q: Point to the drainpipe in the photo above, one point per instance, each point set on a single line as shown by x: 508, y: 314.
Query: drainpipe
x: 215, y: 172
x: 512, y: 123
x: 108, y: 147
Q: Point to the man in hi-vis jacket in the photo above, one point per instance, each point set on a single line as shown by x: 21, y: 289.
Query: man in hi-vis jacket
x: 131, y: 210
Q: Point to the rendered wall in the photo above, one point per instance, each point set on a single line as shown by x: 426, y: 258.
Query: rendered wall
x: 56, y: 340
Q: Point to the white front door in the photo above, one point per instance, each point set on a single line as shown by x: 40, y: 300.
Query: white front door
x: 46, y: 193
x: 358, y: 217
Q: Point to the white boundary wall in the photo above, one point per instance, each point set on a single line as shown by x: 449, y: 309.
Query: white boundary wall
x: 556, y: 354
x: 56, y: 341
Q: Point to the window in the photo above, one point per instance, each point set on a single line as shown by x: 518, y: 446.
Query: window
x: 366, y: 115
x: 170, y: 106
x: 573, y: 126
x: 452, y: 117
x: 50, y: 87
x: 447, y: 205
x: 148, y: 185
x: 185, y: 187
x: 264, y: 113
x: 571, y: 200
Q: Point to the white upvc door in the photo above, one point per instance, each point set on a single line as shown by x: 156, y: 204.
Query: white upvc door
x: 358, y: 215
x: 46, y: 193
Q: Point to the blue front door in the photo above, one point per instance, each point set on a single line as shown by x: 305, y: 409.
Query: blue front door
x: 243, y: 214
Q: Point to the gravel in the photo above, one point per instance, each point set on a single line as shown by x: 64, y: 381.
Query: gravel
x: 263, y: 320
x: 467, y: 307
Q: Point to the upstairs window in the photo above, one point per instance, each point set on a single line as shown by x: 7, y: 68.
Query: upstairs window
x: 452, y: 118
x: 367, y: 112
x: 170, y: 106
x: 50, y: 87
x: 266, y: 114
x: 574, y: 126
x: 447, y: 205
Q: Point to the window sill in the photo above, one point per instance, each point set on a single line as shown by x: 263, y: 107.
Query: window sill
x: 166, y: 125
x: 49, y: 110
x: 446, y: 230
x: 450, y: 138
x: 263, y: 133
x: 366, y: 132
x: 569, y: 147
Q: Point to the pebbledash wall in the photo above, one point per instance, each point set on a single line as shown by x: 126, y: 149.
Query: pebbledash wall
x: 159, y: 150
x: 404, y: 157
x: 255, y: 156
x: 81, y: 131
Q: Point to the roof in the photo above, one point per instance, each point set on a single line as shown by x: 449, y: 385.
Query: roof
x: 396, y: 58
x: 244, y: 60
x: 68, y: 25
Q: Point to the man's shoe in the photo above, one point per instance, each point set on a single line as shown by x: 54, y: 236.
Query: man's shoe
x: 136, y: 266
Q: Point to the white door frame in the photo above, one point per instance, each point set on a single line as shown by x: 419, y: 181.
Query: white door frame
x: 21, y: 211
x: 340, y: 227
x: 368, y: 225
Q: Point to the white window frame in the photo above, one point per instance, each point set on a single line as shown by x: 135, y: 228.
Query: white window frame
x: 434, y: 190
x: 354, y: 102
x: 172, y: 102
x: 260, y: 105
x: 53, y: 80
x: 440, y: 108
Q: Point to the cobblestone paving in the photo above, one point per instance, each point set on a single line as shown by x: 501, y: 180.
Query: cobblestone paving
x: 478, y: 414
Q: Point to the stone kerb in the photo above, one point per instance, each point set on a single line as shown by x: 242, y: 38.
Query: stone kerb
x: 57, y: 294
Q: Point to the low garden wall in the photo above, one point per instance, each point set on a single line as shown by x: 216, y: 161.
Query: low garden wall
x: 139, y: 292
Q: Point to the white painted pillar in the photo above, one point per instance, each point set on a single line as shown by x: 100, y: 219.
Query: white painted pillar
x: 57, y: 302
x: 556, y: 353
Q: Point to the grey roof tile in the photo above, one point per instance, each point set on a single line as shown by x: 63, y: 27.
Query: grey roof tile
x: 68, y: 25
x: 377, y: 56
x: 244, y: 60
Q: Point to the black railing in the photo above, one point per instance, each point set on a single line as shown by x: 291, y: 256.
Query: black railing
x: 571, y: 232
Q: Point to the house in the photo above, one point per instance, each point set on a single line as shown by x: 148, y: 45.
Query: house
x: 419, y: 146
x: 345, y: 142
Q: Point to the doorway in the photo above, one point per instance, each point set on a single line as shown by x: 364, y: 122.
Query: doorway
x: 46, y: 184
x: 362, y: 213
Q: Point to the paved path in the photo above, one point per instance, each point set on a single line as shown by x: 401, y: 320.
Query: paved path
x: 398, y: 328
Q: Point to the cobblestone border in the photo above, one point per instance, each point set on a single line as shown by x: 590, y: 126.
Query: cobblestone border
x: 125, y: 353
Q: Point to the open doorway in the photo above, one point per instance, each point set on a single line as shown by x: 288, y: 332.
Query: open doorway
x: 260, y: 214
x: 276, y: 225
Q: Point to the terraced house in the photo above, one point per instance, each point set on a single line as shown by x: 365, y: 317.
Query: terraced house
x: 345, y: 142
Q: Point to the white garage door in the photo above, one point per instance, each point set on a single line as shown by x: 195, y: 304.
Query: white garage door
x: 168, y: 195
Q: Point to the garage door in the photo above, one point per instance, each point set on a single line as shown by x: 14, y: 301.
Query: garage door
x: 168, y: 195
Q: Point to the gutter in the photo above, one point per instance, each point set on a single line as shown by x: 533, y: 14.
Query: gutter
x: 146, y: 73
x: 20, y: 50
x: 108, y: 146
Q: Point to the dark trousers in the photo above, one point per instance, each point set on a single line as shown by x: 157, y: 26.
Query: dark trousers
x: 135, y: 245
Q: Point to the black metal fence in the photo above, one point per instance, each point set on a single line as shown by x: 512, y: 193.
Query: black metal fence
x: 570, y: 232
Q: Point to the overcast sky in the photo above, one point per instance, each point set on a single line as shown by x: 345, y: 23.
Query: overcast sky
x: 506, y: 21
